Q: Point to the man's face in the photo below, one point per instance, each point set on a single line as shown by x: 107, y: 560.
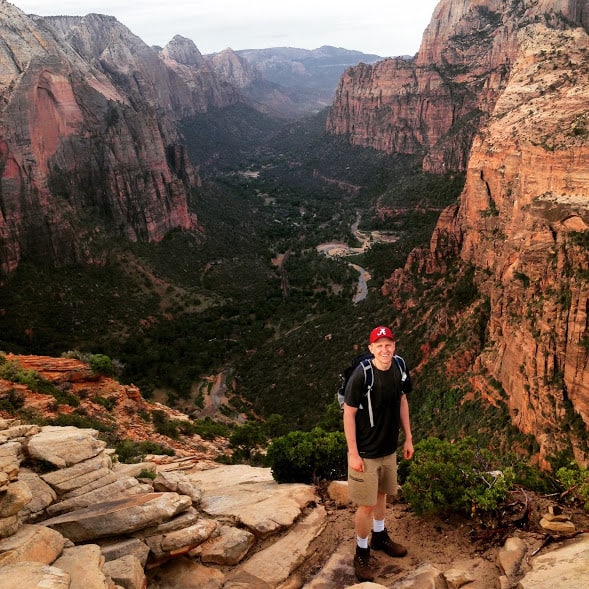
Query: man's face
x: 383, y: 350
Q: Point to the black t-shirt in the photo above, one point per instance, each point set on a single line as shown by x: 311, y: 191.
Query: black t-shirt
x: 382, y: 439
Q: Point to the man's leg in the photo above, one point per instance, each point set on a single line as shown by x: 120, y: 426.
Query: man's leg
x: 380, y: 538
x: 363, y: 520
x: 363, y: 567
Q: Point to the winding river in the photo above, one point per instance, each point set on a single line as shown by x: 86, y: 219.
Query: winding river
x: 339, y: 249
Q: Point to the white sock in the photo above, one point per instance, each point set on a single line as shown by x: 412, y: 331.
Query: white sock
x: 362, y: 542
x: 378, y: 525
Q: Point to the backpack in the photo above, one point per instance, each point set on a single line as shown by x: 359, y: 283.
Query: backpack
x: 365, y: 360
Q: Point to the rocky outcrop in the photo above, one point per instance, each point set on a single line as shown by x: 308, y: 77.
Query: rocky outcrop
x: 208, y: 88
x: 141, y: 524
x: 225, y: 526
x: 434, y: 104
x: 87, y: 132
x: 522, y: 223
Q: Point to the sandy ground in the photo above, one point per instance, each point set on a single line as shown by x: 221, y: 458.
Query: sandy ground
x: 442, y: 542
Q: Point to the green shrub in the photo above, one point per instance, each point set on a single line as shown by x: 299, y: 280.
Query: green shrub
x: 245, y: 439
x: 308, y: 457
x: 129, y: 451
x: 575, y: 483
x: 164, y: 425
x: 109, y: 404
x: 12, y: 401
x: 101, y: 364
x: 461, y: 477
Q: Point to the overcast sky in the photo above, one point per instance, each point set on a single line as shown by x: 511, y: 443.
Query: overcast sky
x: 384, y: 27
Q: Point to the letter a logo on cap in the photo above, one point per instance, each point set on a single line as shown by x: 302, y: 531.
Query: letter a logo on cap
x: 379, y: 332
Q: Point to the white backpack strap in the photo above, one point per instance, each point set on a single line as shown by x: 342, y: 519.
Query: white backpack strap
x: 369, y: 382
x: 401, y: 364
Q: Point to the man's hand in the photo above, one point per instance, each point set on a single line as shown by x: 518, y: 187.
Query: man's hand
x: 408, y: 450
x: 355, y: 462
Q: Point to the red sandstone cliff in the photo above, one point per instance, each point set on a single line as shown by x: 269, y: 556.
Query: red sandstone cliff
x: 86, y: 128
x: 434, y: 103
x: 522, y: 222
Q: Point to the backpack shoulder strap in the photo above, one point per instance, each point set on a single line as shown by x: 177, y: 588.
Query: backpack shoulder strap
x: 402, y: 367
x: 368, y: 383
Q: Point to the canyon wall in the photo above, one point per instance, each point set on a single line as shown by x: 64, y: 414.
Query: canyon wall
x: 522, y: 222
x: 88, y: 144
x: 434, y: 103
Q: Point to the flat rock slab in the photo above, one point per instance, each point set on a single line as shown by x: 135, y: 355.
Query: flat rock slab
x: 32, y: 574
x: 273, y: 565
x: 568, y: 566
x: 119, y: 517
x: 65, y: 446
x: 251, y: 497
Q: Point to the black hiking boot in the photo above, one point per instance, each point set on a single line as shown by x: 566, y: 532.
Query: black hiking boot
x: 363, y: 565
x: 381, y: 541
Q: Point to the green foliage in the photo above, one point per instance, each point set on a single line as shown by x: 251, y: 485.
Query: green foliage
x: 575, y: 483
x: 245, y: 439
x: 109, y: 404
x: 208, y: 429
x: 460, y: 477
x: 101, y: 364
x: 164, y: 425
x: 308, y: 457
x: 12, y: 401
x: 147, y: 474
x: 81, y: 421
x: 130, y: 452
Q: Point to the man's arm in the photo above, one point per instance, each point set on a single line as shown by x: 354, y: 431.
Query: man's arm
x: 354, y: 459
x: 406, y: 427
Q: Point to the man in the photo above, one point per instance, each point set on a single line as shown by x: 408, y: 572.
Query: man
x: 371, y: 426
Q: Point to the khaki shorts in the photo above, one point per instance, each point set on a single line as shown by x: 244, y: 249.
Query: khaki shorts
x: 380, y: 475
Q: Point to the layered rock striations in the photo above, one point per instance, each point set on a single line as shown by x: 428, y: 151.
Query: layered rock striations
x: 88, y: 145
x: 434, y: 103
x: 522, y: 222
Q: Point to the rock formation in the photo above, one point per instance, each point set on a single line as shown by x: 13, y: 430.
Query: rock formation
x: 92, y: 141
x: 434, y: 103
x: 70, y: 510
x: 523, y: 217
x: 71, y: 516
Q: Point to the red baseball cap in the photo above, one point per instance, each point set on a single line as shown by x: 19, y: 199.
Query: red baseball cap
x: 381, y: 331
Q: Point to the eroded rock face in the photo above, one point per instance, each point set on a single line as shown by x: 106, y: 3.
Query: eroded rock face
x: 87, y: 116
x: 522, y: 222
x: 434, y: 104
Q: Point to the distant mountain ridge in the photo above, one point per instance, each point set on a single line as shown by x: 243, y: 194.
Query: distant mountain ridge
x: 284, y: 81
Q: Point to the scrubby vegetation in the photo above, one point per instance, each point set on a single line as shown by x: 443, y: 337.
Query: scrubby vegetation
x: 251, y: 293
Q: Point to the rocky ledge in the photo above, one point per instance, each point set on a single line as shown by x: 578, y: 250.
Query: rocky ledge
x: 71, y: 516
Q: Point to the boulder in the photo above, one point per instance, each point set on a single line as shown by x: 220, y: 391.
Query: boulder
x: 11, y: 456
x: 84, y: 566
x: 510, y: 557
x: 23, y: 575
x: 181, y: 541
x: 228, y: 548
x: 64, y: 446
x: 116, y: 549
x: 42, y: 494
x: 119, y: 517
x: 274, y: 564
x: 32, y: 543
x: 14, y: 498
x: 67, y: 479
x: 126, y: 572
x: 249, y: 496
x: 566, y: 565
